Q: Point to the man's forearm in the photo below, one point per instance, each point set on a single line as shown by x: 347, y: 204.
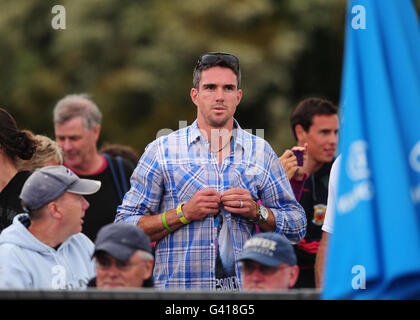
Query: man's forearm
x: 153, y: 225
x: 320, y: 261
x: 270, y: 224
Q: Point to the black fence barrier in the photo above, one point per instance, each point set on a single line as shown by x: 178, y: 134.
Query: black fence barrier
x: 156, y: 304
x: 153, y: 294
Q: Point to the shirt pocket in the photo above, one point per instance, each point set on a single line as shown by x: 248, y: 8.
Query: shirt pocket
x: 186, y: 180
x: 245, y: 176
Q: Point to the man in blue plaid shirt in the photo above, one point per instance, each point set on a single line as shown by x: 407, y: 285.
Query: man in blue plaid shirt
x: 201, y: 192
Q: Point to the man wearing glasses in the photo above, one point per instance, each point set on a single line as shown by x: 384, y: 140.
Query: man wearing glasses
x: 268, y: 262
x: 196, y: 192
x: 123, y: 258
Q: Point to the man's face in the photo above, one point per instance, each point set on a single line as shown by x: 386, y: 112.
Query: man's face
x: 217, y: 97
x: 113, y: 273
x: 78, y: 143
x: 72, y: 207
x: 256, y: 276
x: 321, y: 137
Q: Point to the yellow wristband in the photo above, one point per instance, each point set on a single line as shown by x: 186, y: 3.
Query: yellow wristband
x: 164, y: 222
x: 181, y: 214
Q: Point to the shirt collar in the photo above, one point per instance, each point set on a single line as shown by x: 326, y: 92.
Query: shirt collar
x: 195, y: 133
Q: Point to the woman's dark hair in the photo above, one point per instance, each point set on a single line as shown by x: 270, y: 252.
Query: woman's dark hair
x: 15, y: 143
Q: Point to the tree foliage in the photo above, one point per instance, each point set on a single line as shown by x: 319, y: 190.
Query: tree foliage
x: 135, y: 58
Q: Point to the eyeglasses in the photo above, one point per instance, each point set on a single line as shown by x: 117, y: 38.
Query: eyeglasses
x: 248, y: 267
x: 104, y: 263
x: 212, y: 58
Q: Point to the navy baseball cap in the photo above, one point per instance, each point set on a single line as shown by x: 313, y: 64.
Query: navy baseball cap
x: 270, y: 249
x: 48, y: 183
x: 122, y: 240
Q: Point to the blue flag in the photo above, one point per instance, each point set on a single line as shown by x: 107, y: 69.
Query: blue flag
x: 374, y: 251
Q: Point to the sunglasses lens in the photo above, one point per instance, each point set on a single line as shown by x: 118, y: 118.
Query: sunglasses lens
x: 211, y: 58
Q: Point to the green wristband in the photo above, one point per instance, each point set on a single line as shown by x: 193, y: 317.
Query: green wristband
x: 164, y: 222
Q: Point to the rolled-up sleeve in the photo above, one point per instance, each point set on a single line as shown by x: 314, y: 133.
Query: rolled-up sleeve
x: 145, y: 192
x: 277, y: 194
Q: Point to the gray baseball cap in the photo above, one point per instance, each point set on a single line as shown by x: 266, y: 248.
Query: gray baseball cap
x: 121, y: 240
x: 48, y: 183
x: 268, y: 248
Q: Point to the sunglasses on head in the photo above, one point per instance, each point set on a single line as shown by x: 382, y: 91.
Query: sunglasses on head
x: 214, y: 57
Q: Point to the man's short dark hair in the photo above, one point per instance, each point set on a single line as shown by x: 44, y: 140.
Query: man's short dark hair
x: 307, y: 109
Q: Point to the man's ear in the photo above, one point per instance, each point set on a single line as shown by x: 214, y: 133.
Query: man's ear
x: 300, y: 134
x: 54, y: 210
x: 96, y: 131
x: 194, y: 95
x: 149, y: 269
x: 239, y: 95
x: 294, y: 274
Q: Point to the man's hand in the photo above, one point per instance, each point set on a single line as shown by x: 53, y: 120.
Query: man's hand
x: 290, y: 164
x: 233, y: 199
x: 203, y: 203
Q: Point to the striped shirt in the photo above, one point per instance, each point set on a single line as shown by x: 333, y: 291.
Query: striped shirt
x: 173, y: 168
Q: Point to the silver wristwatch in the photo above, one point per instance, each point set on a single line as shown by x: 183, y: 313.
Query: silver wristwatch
x: 262, y: 215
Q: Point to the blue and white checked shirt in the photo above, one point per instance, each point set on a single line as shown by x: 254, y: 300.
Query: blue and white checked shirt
x: 173, y: 168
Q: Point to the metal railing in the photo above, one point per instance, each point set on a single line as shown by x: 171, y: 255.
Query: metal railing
x: 154, y: 294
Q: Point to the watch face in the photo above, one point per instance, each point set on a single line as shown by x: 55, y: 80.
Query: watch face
x: 264, y: 213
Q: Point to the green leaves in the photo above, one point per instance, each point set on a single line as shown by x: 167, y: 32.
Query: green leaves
x: 136, y: 59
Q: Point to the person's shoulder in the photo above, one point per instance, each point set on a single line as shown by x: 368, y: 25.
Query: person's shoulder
x: 128, y: 166
x: 324, y: 170
x: 257, y: 145
x: 177, y: 134
x: 249, y: 136
x: 171, y: 141
x: 15, y: 185
x: 9, y: 253
x: 7, y: 248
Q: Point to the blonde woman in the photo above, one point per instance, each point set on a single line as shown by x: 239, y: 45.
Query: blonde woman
x: 48, y: 153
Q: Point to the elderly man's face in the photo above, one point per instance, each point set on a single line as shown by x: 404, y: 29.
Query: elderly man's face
x: 113, y: 273
x: 72, y: 207
x: 256, y: 276
x: 78, y: 144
